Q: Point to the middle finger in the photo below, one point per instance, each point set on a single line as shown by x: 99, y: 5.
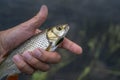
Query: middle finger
x: 45, y: 56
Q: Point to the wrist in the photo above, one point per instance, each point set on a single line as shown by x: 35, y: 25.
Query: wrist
x: 3, y: 52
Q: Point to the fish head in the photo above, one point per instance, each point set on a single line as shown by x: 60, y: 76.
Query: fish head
x: 60, y: 30
x: 57, y: 33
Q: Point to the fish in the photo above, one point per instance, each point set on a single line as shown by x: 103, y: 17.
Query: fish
x: 49, y: 39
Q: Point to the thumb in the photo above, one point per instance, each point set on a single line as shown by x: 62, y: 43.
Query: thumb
x: 36, y: 21
x: 13, y: 37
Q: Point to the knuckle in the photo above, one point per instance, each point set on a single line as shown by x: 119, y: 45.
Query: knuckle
x: 36, y: 18
x: 44, y: 58
x: 19, y: 62
x: 21, y: 66
x: 34, y: 62
x: 71, y: 46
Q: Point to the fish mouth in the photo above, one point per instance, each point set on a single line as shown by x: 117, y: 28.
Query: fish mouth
x: 66, y: 27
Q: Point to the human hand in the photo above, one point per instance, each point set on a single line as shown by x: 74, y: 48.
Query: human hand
x: 28, y: 62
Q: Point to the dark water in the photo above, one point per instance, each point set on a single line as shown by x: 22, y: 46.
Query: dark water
x: 94, y: 26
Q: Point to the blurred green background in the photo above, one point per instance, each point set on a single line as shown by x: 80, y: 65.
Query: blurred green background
x: 94, y: 24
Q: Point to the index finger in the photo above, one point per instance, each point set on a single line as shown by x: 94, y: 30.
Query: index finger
x: 71, y: 46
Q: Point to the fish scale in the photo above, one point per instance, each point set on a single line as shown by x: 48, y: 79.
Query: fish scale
x: 48, y: 40
x: 10, y: 67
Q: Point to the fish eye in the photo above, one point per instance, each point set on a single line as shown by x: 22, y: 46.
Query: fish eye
x: 59, y: 28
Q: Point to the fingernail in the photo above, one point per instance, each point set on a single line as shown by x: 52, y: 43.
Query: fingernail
x: 37, y: 53
x: 80, y: 50
x: 42, y: 7
x: 27, y: 55
x: 16, y: 58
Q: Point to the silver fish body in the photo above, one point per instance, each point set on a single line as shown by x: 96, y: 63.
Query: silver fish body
x: 47, y: 40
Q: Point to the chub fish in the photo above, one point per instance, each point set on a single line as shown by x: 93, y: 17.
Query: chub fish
x: 48, y: 40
